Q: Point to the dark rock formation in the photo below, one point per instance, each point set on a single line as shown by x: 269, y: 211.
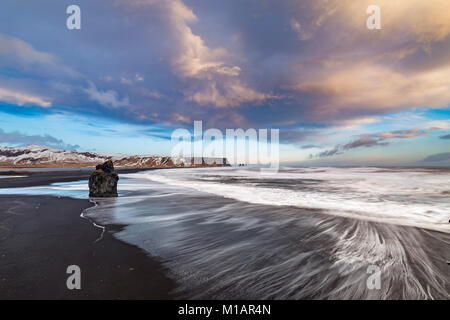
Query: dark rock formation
x: 103, y: 181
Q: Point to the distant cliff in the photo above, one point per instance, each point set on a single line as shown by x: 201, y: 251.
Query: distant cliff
x: 43, y: 157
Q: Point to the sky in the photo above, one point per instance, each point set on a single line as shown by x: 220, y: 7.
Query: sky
x: 339, y: 93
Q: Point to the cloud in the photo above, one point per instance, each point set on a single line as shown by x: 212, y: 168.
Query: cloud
x: 25, y: 70
x: 23, y: 51
x: 426, y: 21
x: 358, y: 72
x: 364, y: 142
x: 229, y: 95
x: 22, y: 99
x: 181, y: 118
x: 329, y: 153
x: 16, y: 53
x: 192, y: 57
x: 154, y: 94
x: 108, y: 98
x: 309, y: 146
x: 128, y: 81
x: 298, y: 29
x: 445, y: 137
x: 367, y: 86
x: 402, y: 134
x: 437, y: 124
x: 17, y: 138
x: 438, y: 157
x: 285, y: 63
x: 372, y: 140
x: 212, y: 79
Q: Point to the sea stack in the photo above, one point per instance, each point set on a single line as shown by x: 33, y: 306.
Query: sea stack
x: 103, y: 181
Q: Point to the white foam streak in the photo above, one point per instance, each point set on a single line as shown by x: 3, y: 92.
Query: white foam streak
x: 397, y: 198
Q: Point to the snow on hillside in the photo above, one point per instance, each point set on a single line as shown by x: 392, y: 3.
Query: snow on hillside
x: 39, y: 156
x: 30, y: 155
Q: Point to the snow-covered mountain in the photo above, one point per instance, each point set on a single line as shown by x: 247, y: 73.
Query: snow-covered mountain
x: 43, y: 157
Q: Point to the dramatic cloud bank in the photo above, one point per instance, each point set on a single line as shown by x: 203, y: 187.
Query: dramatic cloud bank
x: 309, y: 67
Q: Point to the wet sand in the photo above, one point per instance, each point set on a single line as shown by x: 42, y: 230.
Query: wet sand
x: 40, y: 236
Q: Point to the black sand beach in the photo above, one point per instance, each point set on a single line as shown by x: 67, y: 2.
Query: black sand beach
x: 40, y: 236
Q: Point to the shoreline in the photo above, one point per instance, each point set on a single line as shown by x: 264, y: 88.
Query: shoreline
x: 40, y: 236
x: 43, y: 178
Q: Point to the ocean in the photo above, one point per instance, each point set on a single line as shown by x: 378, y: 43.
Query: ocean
x: 304, y: 233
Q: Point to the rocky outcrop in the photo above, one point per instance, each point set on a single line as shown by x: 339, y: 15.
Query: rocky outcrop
x: 103, y: 181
